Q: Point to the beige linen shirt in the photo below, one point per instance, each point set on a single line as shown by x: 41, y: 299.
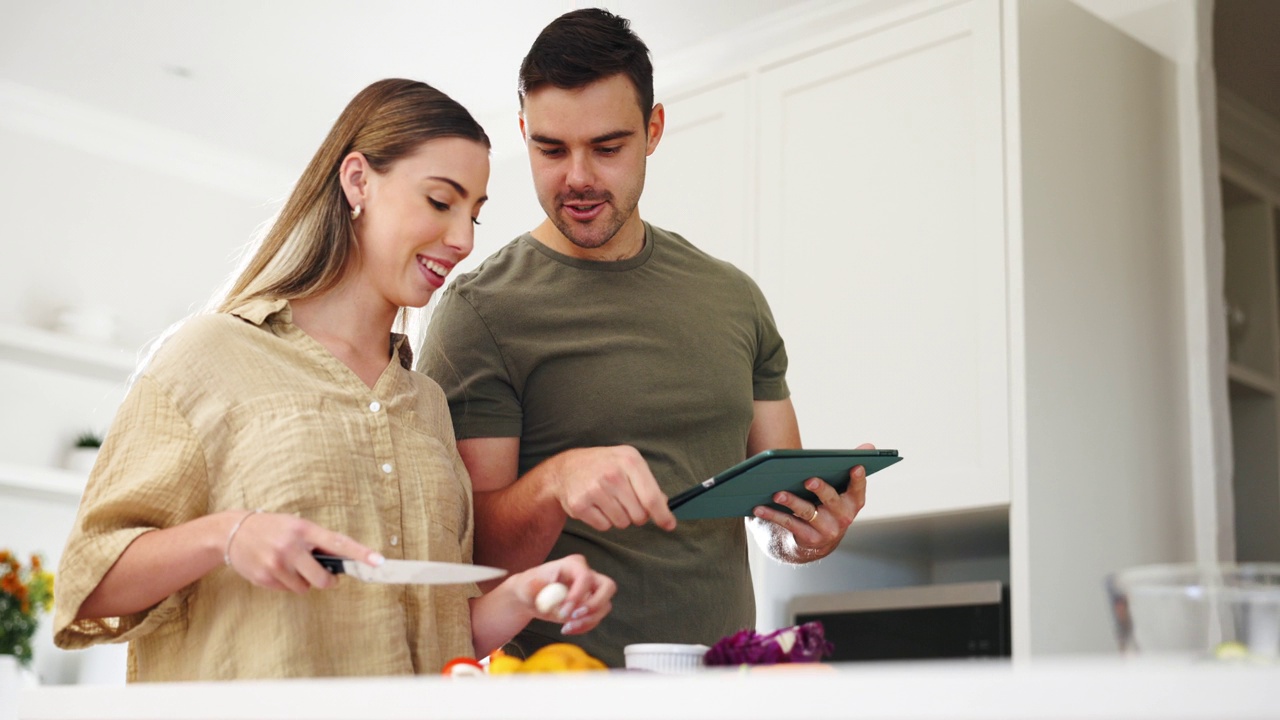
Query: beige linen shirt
x: 244, y: 410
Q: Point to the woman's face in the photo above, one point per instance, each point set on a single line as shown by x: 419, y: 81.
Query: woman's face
x: 418, y: 218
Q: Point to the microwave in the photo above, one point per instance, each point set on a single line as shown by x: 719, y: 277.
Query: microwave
x: 927, y: 622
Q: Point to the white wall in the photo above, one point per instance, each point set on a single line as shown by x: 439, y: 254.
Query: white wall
x: 1107, y: 426
x: 513, y: 207
x: 82, y: 229
x: 107, y: 229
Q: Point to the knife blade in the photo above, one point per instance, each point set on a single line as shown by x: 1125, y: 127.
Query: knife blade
x: 409, y: 572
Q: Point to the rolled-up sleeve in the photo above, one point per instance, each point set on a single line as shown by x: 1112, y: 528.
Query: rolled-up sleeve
x: 150, y: 474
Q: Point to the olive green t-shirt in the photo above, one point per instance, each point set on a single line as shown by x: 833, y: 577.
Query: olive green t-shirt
x: 664, y: 351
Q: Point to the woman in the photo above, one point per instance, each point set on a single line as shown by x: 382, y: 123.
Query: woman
x: 288, y: 421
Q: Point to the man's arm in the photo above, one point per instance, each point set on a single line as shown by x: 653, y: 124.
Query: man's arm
x: 517, y: 520
x: 809, y: 532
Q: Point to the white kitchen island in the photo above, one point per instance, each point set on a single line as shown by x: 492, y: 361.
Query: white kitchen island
x: 1061, y: 690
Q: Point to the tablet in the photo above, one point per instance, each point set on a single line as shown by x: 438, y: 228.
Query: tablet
x: 737, y: 491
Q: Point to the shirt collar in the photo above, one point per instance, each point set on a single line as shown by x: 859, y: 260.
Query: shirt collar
x: 401, y: 348
x: 262, y: 310
x: 259, y: 310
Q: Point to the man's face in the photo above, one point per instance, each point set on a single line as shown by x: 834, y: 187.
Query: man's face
x: 587, y: 150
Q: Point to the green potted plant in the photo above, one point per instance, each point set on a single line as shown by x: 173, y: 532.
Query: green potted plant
x: 83, y: 452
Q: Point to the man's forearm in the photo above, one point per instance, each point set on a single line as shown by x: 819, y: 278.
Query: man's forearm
x: 517, y: 525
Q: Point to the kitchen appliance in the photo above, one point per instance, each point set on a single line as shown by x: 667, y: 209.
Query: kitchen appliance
x: 942, y: 621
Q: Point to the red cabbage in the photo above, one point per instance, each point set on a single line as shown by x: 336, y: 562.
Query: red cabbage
x: 802, y: 643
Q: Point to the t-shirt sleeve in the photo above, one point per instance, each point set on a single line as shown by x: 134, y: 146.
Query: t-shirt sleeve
x: 769, y: 374
x: 150, y: 474
x: 460, y: 354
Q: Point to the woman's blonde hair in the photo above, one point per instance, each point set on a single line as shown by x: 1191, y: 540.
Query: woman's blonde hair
x: 306, y: 249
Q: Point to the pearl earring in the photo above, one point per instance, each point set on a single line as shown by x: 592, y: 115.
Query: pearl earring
x: 355, y: 212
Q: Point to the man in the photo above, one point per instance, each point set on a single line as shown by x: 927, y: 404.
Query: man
x: 598, y: 364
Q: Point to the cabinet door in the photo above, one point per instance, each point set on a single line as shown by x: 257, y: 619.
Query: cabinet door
x: 698, y: 178
x: 882, y: 251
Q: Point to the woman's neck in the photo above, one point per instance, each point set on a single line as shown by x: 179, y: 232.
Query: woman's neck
x: 355, y: 329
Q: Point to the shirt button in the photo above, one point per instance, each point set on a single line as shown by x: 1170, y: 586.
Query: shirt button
x: 395, y: 540
x: 375, y: 406
x: 386, y: 468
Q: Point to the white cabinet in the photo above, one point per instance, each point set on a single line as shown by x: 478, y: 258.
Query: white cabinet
x: 965, y: 217
x: 882, y: 233
x: 846, y: 174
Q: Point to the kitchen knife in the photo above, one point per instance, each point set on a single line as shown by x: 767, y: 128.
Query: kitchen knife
x: 409, y: 572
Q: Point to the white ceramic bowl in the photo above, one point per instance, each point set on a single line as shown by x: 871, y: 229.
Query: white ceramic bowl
x: 665, y: 657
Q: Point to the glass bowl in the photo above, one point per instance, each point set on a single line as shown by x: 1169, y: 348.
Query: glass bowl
x: 1220, y: 612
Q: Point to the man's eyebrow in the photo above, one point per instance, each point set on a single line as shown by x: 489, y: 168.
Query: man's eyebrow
x: 607, y: 137
x: 615, y: 135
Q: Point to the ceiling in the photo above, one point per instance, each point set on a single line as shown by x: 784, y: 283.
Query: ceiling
x: 263, y: 81
x: 266, y: 79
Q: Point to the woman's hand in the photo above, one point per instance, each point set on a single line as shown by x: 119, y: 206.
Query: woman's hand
x: 502, y: 612
x: 589, y: 599
x: 269, y: 550
x: 274, y: 551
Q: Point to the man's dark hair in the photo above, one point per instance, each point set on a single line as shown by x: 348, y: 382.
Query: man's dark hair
x: 583, y: 46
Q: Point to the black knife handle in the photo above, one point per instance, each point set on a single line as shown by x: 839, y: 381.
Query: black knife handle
x: 332, y: 563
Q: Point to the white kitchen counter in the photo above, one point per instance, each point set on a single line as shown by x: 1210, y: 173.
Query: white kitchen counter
x: 1059, y: 690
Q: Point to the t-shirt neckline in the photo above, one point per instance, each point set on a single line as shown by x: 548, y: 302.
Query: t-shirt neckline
x: 630, y: 263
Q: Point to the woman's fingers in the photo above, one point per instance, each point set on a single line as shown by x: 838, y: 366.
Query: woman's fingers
x: 586, y: 621
x: 587, y: 595
x: 589, y: 614
x: 274, y: 551
x: 314, y: 575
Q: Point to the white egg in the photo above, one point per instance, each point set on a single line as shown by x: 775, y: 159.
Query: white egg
x: 550, y: 597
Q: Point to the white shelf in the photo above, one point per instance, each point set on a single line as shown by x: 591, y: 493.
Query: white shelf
x: 1252, y: 379
x: 46, y: 482
x: 43, y: 348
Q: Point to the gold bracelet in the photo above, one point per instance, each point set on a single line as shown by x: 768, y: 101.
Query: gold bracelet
x: 226, y: 554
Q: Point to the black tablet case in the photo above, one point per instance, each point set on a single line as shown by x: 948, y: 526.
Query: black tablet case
x: 735, y: 492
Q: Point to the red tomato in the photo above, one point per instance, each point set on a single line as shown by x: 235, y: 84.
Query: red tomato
x: 462, y: 667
